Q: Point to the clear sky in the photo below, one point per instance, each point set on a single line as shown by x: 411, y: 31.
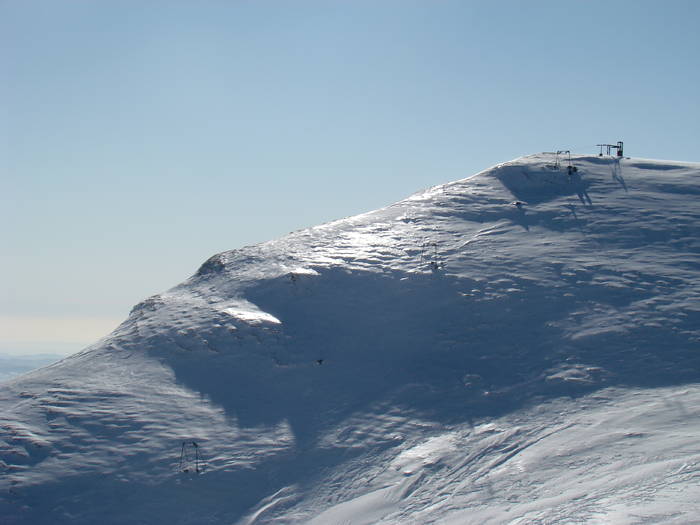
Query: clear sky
x: 137, y: 138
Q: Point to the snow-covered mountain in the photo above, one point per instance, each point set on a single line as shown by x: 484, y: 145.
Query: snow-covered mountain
x: 521, y: 346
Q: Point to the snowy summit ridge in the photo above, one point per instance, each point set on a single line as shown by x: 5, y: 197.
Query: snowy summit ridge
x: 521, y: 345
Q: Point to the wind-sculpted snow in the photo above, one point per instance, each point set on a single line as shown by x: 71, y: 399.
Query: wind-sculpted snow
x: 519, y: 346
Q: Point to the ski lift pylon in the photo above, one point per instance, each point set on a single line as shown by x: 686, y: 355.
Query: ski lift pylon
x: 189, y: 453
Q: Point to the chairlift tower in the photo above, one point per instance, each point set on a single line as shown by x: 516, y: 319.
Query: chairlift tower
x: 618, y: 147
x: 563, y: 152
x: 189, y: 456
x: 570, y: 168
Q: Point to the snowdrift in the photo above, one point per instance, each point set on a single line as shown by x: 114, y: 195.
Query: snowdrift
x: 519, y: 346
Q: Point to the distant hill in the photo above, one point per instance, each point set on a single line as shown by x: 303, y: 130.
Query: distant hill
x: 14, y: 365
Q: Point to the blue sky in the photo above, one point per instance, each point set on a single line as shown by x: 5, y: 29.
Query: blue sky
x: 139, y: 138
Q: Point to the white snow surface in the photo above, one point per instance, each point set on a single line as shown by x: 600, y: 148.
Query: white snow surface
x: 453, y: 358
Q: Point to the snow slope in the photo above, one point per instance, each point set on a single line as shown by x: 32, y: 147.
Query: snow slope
x: 452, y: 358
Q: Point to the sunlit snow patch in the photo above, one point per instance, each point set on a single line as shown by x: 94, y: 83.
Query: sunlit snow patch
x: 298, y: 270
x: 427, y: 453
x: 252, y: 317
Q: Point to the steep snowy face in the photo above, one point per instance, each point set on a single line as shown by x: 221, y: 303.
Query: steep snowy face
x: 284, y: 361
x: 522, y: 280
